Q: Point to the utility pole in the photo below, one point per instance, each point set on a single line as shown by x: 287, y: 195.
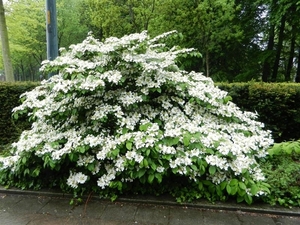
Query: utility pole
x: 51, y: 29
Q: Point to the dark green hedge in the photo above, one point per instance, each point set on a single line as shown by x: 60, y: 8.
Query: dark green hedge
x: 9, y: 98
x: 278, y: 105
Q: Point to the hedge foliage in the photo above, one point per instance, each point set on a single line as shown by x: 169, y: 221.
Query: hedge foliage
x: 9, y: 98
x: 278, y: 106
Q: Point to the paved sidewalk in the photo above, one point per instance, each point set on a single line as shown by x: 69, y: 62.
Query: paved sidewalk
x: 21, y: 208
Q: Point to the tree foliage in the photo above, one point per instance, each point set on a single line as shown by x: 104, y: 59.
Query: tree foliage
x: 26, y: 24
x: 239, y: 40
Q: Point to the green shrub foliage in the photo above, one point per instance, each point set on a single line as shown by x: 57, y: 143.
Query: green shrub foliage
x: 277, y: 105
x: 120, y: 116
x: 9, y: 98
x: 282, y: 173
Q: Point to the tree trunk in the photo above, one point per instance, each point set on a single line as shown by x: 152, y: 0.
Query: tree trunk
x: 267, y: 64
x: 291, y: 56
x: 207, y: 63
x: 297, y: 79
x: 9, y: 74
x: 279, y: 47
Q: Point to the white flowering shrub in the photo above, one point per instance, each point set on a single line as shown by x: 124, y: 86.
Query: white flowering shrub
x: 120, y: 116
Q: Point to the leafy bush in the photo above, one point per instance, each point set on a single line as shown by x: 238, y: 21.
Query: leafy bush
x: 9, y: 98
x: 121, y: 117
x: 282, y: 171
x: 276, y: 103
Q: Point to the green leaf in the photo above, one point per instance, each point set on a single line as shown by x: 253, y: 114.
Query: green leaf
x: 240, y: 199
x: 242, y: 186
x: 144, y: 127
x: 234, y: 190
x: 219, y: 191
x: 129, y: 145
x: 195, y: 168
x: 200, y: 185
x: 241, y: 192
x: 248, y: 199
x: 228, y: 189
x: 15, y: 116
x: 73, y: 157
x: 141, y: 173
x: 150, y: 178
x: 202, y: 169
x: 52, y: 164
x: 227, y: 99
x: 254, y: 189
x: 234, y: 182
x: 24, y: 160
x: 115, y: 152
x: 223, y: 185
x: 171, y: 141
x: 158, y: 122
x: 145, y: 162
x: 81, y: 149
x: 186, y: 139
x: 26, y: 171
x: 297, y: 150
x: 158, y: 176
x: 207, y: 182
x: 91, y: 167
x: 212, y: 170
x: 124, y: 131
x: 153, y: 166
x: 36, y: 172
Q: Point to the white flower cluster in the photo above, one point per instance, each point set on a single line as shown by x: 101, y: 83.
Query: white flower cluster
x: 76, y: 178
x: 121, y: 101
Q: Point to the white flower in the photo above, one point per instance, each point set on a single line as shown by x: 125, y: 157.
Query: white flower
x: 160, y: 169
x: 76, y: 178
x: 130, y: 155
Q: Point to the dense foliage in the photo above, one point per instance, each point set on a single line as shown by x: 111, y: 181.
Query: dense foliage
x: 277, y: 105
x: 282, y: 172
x: 10, y: 92
x: 120, y: 116
x: 239, y: 40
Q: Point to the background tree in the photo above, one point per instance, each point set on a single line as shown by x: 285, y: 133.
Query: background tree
x: 29, y: 37
x: 5, y: 45
x: 283, y: 20
x: 240, y: 40
x: 206, y: 25
x: 28, y: 42
x: 70, y: 28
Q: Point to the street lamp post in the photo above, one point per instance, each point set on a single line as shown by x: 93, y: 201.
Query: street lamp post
x: 51, y: 31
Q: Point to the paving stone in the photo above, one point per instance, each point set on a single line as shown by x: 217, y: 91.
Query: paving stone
x: 184, y: 215
x: 254, y: 219
x: 152, y: 214
x: 119, y: 212
x: 58, y: 207
x: 28, y: 204
x: 9, y: 218
x: 53, y: 220
x: 9, y: 201
x: 94, y: 209
x: 216, y: 217
x: 287, y: 220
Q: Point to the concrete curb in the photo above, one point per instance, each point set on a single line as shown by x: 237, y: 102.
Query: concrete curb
x: 202, y: 204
